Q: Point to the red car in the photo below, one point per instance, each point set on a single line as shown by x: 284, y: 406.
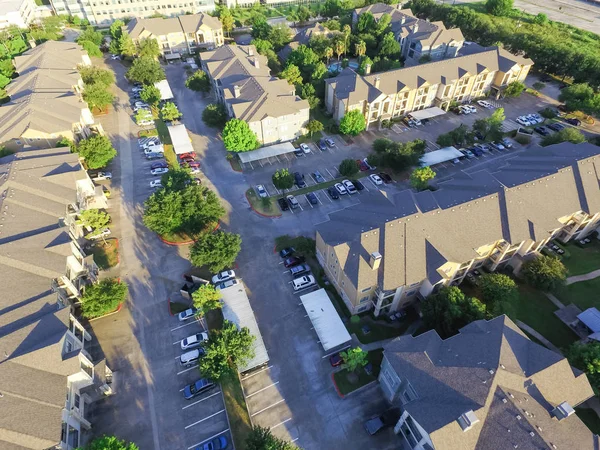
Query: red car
x: 361, y: 165
x: 293, y: 261
x: 188, y: 155
x: 335, y: 360
x: 188, y: 160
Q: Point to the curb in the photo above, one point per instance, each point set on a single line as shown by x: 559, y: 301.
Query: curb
x: 233, y: 168
x: 176, y: 243
x: 109, y: 314
x: 336, y: 386
x: 259, y: 213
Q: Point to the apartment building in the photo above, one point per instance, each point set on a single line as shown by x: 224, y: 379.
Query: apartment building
x: 179, y: 35
x: 388, y: 251
x: 418, y: 38
x: 45, y: 99
x: 49, y: 378
x: 242, y: 81
x: 394, y: 93
x: 104, y: 12
x: 488, y: 387
x: 19, y: 13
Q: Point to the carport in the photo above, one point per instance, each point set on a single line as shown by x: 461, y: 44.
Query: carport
x: 440, y: 156
x: 180, y: 139
x: 265, y: 153
x: 428, y: 113
x: 237, y: 309
x: 165, y: 90
x: 327, y: 323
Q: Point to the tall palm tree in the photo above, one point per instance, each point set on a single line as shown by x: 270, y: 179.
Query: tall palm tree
x: 328, y: 54
x: 346, y: 30
x: 360, y: 48
x: 340, y: 48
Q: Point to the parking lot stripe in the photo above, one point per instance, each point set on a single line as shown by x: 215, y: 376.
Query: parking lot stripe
x: 209, y: 439
x: 260, y: 390
x: 318, y: 199
x: 332, y: 177
x: 281, y: 423
x: 177, y: 342
x: 181, y: 326
x: 326, y: 195
x: 256, y: 373
x: 308, y: 201
x: 268, y: 407
x: 201, y: 400
x: 206, y: 418
x: 187, y: 370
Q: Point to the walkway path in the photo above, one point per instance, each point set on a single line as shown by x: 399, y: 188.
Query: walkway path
x: 587, y: 276
x: 538, y: 336
x: 553, y: 299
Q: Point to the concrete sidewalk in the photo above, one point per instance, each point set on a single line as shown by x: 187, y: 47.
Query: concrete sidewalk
x: 584, y: 277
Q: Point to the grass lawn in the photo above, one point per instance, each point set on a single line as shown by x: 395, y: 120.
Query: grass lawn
x: 582, y: 260
x: 236, y: 164
x: 237, y: 411
x: 379, y: 329
x: 265, y: 206
x: 106, y: 255
x: 327, y: 121
x: 589, y: 418
x: 584, y: 294
x: 176, y: 237
x: 148, y: 133
x: 163, y: 131
x: 341, y: 377
x: 308, y: 138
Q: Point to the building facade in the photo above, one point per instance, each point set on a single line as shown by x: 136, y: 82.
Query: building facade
x: 386, y: 253
x: 19, y: 13
x: 179, y: 35
x: 242, y: 81
x: 395, y: 93
x: 104, y: 12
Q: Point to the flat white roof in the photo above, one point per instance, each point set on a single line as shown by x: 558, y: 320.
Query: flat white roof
x: 180, y: 139
x: 237, y: 309
x: 440, y: 156
x: 266, y: 152
x: 165, y: 90
x: 329, y: 327
x: 428, y: 113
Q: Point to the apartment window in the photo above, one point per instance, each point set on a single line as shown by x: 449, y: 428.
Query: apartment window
x: 68, y: 346
x: 409, y: 394
x: 391, y: 381
x: 76, y: 401
x: 413, y: 429
x: 364, y: 299
x: 447, y: 91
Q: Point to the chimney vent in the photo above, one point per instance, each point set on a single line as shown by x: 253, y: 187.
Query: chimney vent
x: 256, y: 63
x: 375, y: 260
x: 563, y: 411
x: 367, y: 69
x: 250, y: 51
x: 467, y: 420
x: 376, y: 82
x: 236, y: 91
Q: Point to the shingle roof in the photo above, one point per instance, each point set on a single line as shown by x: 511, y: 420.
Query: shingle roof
x: 418, y: 232
x: 494, y: 370
x: 181, y: 24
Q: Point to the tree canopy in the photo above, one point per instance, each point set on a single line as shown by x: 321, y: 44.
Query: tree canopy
x: 97, y: 96
x: 283, y: 179
x: 544, y: 272
x: 292, y: 74
x: 198, y: 81
x: 568, y: 134
x: 93, y: 75
x: 514, y: 89
x: 491, y: 127
x: 150, y: 94
x: 314, y: 126
x: 170, y: 112
x: 149, y: 48
x: 353, y: 123
x: 103, y: 297
x: 499, y: 7
x: 586, y: 357
x: 238, y: 137
x: 348, y: 167
x: 97, y: 150
x: 420, y: 177
x: 217, y: 250
x: 581, y: 97
x: 215, y: 115
x: 397, y: 156
x: 499, y: 291
x: 354, y: 358
x: 145, y: 70
x: 206, y: 298
x: 95, y: 219
x: 110, y: 443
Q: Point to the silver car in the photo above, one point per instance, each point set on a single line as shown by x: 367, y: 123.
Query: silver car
x: 262, y: 192
x: 193, y: 341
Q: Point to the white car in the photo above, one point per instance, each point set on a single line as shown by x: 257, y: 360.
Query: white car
x: 262, y: 192
x: 145, y: 123
x: 471, y: 108
x: 522, y: 120
x: 137, y: 89
x: 154, y: 149
x: 140, y: 108
x: 193, y: 341
x: 156, y: 184
x: 187, y: 314
x: 105, y: 232
x: 305, y: 148
x: 226, y: 275
x: 226, y: 284
x: 376, y: 179
x: 100, y: 176
x: 141, y: 105
x: 114, y: 57
x: 535, y: 118
x: 159, y: 171
x: 150, y: 142
x: 152, y: 145
x: 463, y: 109
x: 369, y: 165
x: 340, y: 188
x: 349, y: 187
x: 484, y: 104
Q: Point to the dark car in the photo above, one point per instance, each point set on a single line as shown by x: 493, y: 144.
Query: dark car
x: 555, y: 126
x: 542, y: 131
x: 335, y: 360
x: 159, y: 165
x: 293, y: 261
x: 476, y: 151
x: 378, y: 423
x: 333, y: 193
x: 287, y: 252
x: 299, y: 152
x: 573, y: 121
x: 299, y: 180
x: 358, y: 185
x: 312, y: 198
x: 198, y: 387
x: 322, y: 145
x: 219, y: 443
x: 329, y: 142
x: 385, y: 177
x: 318, y: 177
x: 283, y: 204
x: 362, y: 166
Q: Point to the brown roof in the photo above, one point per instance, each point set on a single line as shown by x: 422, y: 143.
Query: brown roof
x: 182, y: 24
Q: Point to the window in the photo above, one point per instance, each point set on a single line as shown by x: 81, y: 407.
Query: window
x: 76, y: 401
x: 68, y: 346
x: 410, y: 293
x: 364, y: 299
x: 366, y: 289
x: 413, y: 428
x: 409, y: 394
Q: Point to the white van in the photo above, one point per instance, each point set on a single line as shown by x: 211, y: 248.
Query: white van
x: 303, y: 282
x: 191, y: 358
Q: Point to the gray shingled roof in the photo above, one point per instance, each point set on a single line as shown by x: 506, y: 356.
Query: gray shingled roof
x: 493, y: 369
x: 416, y: 232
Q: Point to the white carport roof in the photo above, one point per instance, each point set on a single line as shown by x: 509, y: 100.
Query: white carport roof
x: 266, y: 152
x: 237, y: 309
x: 440, y: 156
x: 165, y: 90
x: 591, y: 318
x: 180, y: 139
x: 329, y: 327
x: 428, y: 113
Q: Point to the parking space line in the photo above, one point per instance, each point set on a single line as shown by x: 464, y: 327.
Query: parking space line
x: 207, y: 440
x: 311, y: 206
x: 181, y: 326
x: 268, y: 407
x: 318, y: 199
x: 366, y: 188
x: 187, y: 370
x: 175, y: 343
x: 261, y: 370
x: 332, y: 177
x: 281, y: 423
x: 206, y: 418
x: 201, y: 400
x: 300, y: 206
x: 310, y: 175
x: 260, y: 390
x: 326, y: 195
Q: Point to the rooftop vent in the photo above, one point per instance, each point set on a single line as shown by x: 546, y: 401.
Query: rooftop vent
x: 467, y: 420
x: 563, y: 411
x: 236, y: 91
x: 375, y: 260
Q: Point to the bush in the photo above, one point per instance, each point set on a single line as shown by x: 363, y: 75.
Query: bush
x: 523, y: 140
x: 353, y: 123
x: 104, y: 297
x: 544, y: 272
x: 348, y: 167
x: 214, y: 115
x: 283, y: 179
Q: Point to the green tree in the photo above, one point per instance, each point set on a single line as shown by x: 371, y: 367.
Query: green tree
x: 383, y: 25
x: 93, y: 75
x: 176, y: 179
x: 226, y: 350
x: 364, y: 63
x: 143, y: 115
x: 353, y: 123
x: 170, y: 112
x: 397, y: 156
x: 292, y: 74
x: 544, y: 272
x: 116, y: 29
x: 499, y: 291
x: 226, y: 19
x: 354, y: 358
x: 150, y: 94
x: 514, y: 89
x: 216, y: 250
x: 348, y: 167
x: 94, y: 219
x: 198, y: 81
x: 97, y: 151
x: 91, y: 48
x: 262, y: 46
x: 491, y: 127
x: 540, y: 19
x: 389, y: 46
x: 420, y: 178
x: 126, y: 45
x: 148, y: 48
x: 314, y: 126
x: 538, y: 86
x: 238, y: 137
x: 206, y: 298
x: 262, y: 439
x: 459, y: 136
x: 366, y: 23
x: 97, y: 96
x: 279, y: 36
x: 66, y: 142
x: 586, y: 357
x: 103, y: 297
x: 145, y: 70
x: 283, y: 179
x: 7, y: 68
x: 499, y: 7
x: 580, y: 97
x: 215, y: 115
x: 91, y: 35
x: 110, y: 443
x: 261, y: 29
x: 568, y: 134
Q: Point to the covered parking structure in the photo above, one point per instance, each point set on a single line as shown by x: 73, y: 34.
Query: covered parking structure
x: 237, y: 309
x: 165, y: 90
x: 264, y: 154
x: 439, y: 156
x: 428, y: 113
x: 327, y: 323
x: 180, y: 139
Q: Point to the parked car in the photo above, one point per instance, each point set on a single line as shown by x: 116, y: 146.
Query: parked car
x: 187, y: 314
x: 476, y: 151
x: 335, y: 360
x: 150, y: 142
x: 115, y: 57
x: 141, y: 105
x: 522, y: 120
x: 137, y: 89
x: 303, y: 282
x: 541, y: 130
x: 468, y: 153
x: 226, y: 284
x: 318, y: 177
x: 191, y: 357
x: 483, y: 147
x: 293, y: 261
x: 283, y: 204
x: 573, y: 121
x: 507, y: 143
x: 218, y: 443
x: 381, y: 421
x: 193, y: 341
x: 261, y: 191
x: 484, y: 103
x: 154, y: 149
x: 300, y: 269
x: 349, y: 187
x: 156, y: 184
x: 464, y: 110
x: 496, y: 146
x: 197, y: 387
x: 305, y: 148
x: 159, y: 171
x: 362, y: 166
x: 358, y: 185
x: 159, y: 164
x: 101, y: 176
x: 322, y: 145
x: 471, y: 108
x: 340, y: 188
x: 298, y: 152
x: 187, y: 160
x: 555, y: 126
x: 535, y: 118
x: 292, y: 201
x: 329, y: 142
x: 223, y: 276
x: 376, y: 179
x: 414, y: 120
x: 312, y: 198
x: 365, y: 160
x: 385, y: 177
x: 105, y: 232
x: 333, y: 193
x: 154, y: 155
x: 188, y: 155
x: 288, y: 251
x: 456, y: 161
x: 299, y: 180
